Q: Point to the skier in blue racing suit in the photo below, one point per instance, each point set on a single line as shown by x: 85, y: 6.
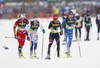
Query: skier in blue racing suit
x: 68, y: 24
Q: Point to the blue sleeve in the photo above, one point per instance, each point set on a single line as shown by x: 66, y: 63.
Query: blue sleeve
x: 26, y: 33
x: 75, y: 19
x: 63, y: 23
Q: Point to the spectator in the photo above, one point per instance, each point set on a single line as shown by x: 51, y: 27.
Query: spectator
x: 1, y: 13
x: 65, y: 8
x: 73, y: 9
x: 56, y: 10
x: 83, y: 10
x: 97, y: 7
x: 89, y: 8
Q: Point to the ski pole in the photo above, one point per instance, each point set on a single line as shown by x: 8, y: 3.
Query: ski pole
x: 56, y: 43
x: 14, y: 38
x: 42, y: 47
x: 79, y: 47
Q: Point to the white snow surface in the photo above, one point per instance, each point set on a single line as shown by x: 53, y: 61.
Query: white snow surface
x: 90, y: 50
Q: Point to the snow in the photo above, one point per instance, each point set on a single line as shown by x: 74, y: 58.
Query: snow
x: 9, y: 58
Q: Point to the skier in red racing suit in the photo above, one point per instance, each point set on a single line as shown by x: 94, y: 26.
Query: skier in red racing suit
x: 20, y: 34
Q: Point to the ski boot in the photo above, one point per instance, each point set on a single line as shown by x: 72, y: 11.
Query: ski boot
x: 35, y: 55
x: 48, y: 57
x: 98, y: 38
x: 31, y: 55
x: 58, y: 54
x: 68, y: 55
x: 21, y: 55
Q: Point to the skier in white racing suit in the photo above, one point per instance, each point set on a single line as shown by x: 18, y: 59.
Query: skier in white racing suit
x: 32, y: 35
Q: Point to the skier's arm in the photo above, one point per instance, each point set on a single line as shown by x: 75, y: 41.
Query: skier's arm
x: 91, y: 21
x: 81, y: 23
x: 27, y: 29
x: 77, y: 23
x: 85, y: 19
x: 27, y: 21
x: 62, y: 26
x: 50, y: 25
x: 14, y: 28
x: 27, y: 34
x: 63, y: 23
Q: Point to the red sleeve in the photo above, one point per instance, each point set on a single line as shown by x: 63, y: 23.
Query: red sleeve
x: 27, y: 21
x: 16, y: 23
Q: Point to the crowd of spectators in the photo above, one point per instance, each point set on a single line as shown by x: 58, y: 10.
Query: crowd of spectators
x: 10, y: 12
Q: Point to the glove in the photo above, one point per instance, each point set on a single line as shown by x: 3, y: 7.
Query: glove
x: 76, y: 23
x: 28, y: 38
x: 15, y: 36
x: 43, y: 31
x: 61, y: 32
x: 91, y: 24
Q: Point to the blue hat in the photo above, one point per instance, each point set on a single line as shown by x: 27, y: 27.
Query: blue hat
x: 71, y: 13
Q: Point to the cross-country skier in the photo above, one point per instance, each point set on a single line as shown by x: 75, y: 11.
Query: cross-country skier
x: 54, y: 25
x: 20, y: 34
x: 68, y: 25
x: 79, y: 26
x: 98, y: 24
x: 32, y: 36
x: 88, y: 24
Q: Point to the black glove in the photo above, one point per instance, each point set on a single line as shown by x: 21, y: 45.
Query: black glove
x: 91, y: 24
x: 76, y: 23
x: 28, y: 38
x: 43, y: 31
x: 61, y: 32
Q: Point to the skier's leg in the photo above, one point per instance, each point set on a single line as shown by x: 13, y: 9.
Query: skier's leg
x: 76, y: 33
x: 80, y: 33
x: 58, y: 45
x: 20, y: 41
x: 67, y: 43
x: 51, y: 38
x: 88, y: 31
